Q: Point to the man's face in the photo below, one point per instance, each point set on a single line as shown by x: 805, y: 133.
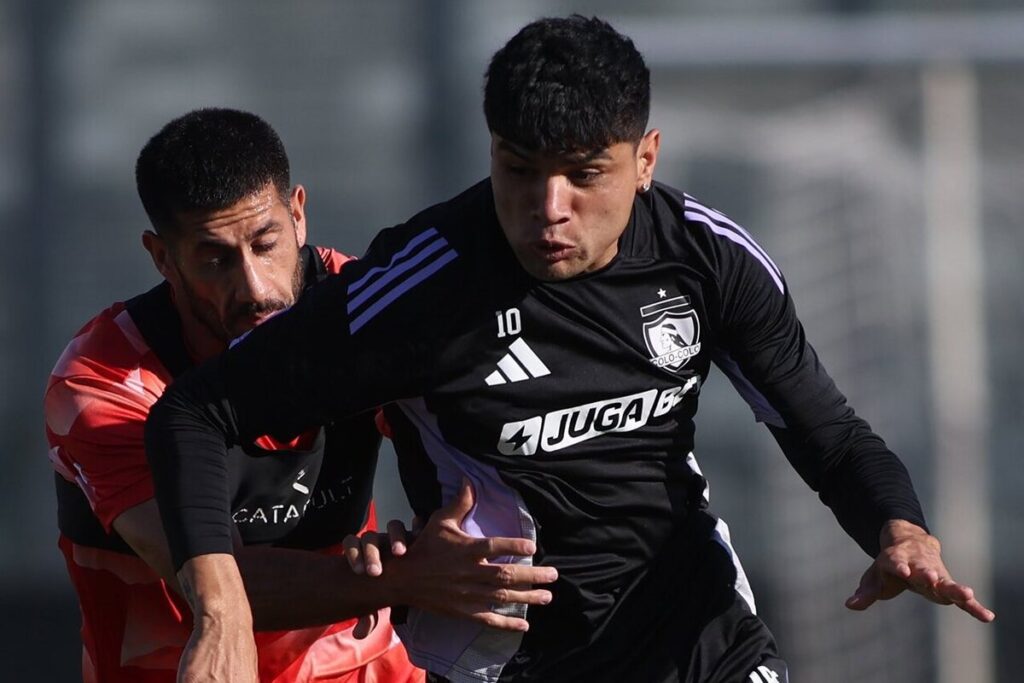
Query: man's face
x: 563, y: 214
x: 233, y: 268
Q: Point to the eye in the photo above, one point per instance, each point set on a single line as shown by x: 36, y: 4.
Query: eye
x: 264, y: 247
x: 584, y: 176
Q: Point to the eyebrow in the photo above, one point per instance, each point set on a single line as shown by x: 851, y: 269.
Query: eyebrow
x: 270, y: 225
x: 571, y: 157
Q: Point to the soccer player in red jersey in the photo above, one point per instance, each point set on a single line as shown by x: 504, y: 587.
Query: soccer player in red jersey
x: 229, y: 240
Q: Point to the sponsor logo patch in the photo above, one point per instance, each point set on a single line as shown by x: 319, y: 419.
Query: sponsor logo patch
x: 564, y: 428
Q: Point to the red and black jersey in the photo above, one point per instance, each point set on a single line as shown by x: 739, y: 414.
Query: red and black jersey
x: 569, y: 405
x: 307, y: 493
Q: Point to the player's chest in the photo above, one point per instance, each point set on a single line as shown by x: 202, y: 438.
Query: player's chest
x: 276, y: 492
x: 570, y: 362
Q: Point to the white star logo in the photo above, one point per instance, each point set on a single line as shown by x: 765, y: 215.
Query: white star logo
x: 662, y: 293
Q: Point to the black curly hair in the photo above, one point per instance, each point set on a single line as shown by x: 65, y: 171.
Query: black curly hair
x: 568, y: 84
x: 207, y: 160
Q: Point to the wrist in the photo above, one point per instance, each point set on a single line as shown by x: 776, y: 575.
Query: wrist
x: 213, y: 587
x: 394, y: 582
x: 895, y: 530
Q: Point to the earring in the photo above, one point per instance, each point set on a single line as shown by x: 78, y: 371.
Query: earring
x: 645, y: 187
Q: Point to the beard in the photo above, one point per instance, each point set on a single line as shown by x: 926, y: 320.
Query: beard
x: 236, y: 322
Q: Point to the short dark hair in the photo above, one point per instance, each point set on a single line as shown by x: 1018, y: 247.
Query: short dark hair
x: 207, y: 160
x: 568, y: 85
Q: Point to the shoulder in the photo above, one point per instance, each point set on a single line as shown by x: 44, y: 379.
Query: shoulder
x: 690, y: 225
x: 453, y: 221
x: 333, y: 259
x: 105, y: 370
x: 418, y: 265
x: 430, y: 240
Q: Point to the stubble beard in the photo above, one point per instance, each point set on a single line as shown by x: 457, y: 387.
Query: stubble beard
x: 221, y: 329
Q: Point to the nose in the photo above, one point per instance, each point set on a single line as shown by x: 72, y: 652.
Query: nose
x: 556, y: 206
x: 253, y: 286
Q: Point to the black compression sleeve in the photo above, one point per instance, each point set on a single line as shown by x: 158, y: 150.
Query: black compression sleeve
x: 863, y: 482
x: 187, y: 435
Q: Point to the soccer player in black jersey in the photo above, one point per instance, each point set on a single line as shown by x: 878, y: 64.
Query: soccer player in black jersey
x: 545, y: 335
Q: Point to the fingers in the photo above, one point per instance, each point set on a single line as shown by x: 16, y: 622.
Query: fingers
x: 482, y: 609
x: 363, y: 554
x: 977, y: 610
x: 868, y: 592
x: 509, y: 575
x: 963, y: 597
x: 501, y: 621
x: 364, y: 626
x: 521, y: 595
x: 889, y: 576
x: 353, y: 553
x: 459, y: 507
x: 494, y: 547
x: 398, y: 536
x: 371, y: 553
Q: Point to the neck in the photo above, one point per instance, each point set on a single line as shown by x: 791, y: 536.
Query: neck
x: 200, y: 343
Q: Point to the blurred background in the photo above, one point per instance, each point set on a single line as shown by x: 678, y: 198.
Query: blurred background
x: 874, y: 147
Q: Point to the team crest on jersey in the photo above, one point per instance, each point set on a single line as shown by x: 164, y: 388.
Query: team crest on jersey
x: 671, y: 331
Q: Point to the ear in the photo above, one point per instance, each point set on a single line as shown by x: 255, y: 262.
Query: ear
x: 160, y: 252
x: 647, y: 158
x: 297, y: 206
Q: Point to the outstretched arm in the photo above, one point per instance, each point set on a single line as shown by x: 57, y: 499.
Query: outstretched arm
x: 911, y: 559
x: 767, y: 356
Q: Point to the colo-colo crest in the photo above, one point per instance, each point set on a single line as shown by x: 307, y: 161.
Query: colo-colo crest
x: 671, y: 331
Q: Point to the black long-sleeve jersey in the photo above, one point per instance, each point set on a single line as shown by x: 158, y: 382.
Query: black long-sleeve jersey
x: 569, y: 406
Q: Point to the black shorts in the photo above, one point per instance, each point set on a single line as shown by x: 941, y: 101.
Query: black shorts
x: 706, y: 632
x: 736, y: 647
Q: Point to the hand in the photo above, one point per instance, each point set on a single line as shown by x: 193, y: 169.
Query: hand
x: 364, y: 552
x: 911, y: 559
x: 446, y: 571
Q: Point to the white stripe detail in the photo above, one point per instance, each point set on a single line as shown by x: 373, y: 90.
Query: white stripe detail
x: 512, y: 369
x: 518, y: 365
x: 722, y: 218
x: 401, y: 288
x: 754, y: 678
x: 742, y: 585
x: 534, y: 365
x: 740, y: 240
x: 124, y: 321
x: 393, y: 273
x: 413, y: 243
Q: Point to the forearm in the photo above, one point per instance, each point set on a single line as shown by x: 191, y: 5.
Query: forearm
x: 213, y: 587
x: 291, y: 589
x: 857, y: 476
